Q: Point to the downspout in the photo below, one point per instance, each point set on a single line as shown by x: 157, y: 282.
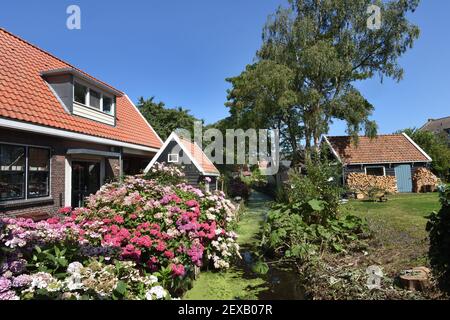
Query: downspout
x: 120, y: 166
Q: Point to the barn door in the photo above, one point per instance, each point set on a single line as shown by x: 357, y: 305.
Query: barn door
x: 404, y: 179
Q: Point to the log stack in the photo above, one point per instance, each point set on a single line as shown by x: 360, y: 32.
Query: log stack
x: 362, y: 183
x: 425, y: 181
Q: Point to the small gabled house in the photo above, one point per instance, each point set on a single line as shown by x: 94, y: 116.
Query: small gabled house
x: 194, y: 163
x: 385, y: 155
x: 63, y: 133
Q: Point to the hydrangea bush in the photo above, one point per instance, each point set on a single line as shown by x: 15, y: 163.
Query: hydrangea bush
x: 133, y: 239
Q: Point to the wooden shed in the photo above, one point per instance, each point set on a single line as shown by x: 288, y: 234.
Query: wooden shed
x: 193, y: 162
x: 385, y: 155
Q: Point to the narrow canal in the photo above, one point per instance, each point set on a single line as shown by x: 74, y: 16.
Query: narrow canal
x: 240, y: 281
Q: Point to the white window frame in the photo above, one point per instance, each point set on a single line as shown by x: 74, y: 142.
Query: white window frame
x: 375, y: 167
x: 88, y: 98
x: 26, y: 197
x: 170, y: 155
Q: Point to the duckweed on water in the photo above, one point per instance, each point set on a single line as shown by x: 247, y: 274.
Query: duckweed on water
x: 225, y: 286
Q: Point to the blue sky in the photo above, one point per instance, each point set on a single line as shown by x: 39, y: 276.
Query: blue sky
x: 181, y: 52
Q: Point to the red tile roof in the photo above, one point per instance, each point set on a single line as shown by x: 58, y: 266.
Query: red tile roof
x: 199, y: 156
x: 25, y: 96
x: 382, y: 149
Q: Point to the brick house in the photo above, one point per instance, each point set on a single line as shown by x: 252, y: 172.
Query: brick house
x: 63, y: 133
x: 385, y: 155
x: 439, y: 127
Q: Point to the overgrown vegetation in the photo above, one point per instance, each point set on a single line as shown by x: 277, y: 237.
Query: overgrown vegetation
x: 238, y: 188
x: 436, y: 146
x: 309, y: 223
x: 439, y: 228
x: 331, y: 244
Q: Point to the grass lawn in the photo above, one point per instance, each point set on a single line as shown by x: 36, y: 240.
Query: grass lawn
x: 400, y: 239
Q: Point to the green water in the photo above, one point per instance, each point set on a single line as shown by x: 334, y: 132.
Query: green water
x: 240, y: 282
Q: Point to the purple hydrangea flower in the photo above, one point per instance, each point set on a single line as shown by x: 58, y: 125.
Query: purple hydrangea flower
x: 8, y: 295
x: 24, y: 280
x: 5, y: 284
x: 18, y: 266
x: 3, y: 267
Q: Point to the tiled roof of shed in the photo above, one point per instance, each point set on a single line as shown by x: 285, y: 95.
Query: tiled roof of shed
x: 395, y: 148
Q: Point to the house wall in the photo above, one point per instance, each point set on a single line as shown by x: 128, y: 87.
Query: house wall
x: 192, y: 174
x: 389, y: 168
x: 40, y: 208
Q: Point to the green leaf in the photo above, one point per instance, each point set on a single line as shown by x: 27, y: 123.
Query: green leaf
x: 121, y: 288
x: 260, y: 267
x: 62, y: 262
x: 316, y: 205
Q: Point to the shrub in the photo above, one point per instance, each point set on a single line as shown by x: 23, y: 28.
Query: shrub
x: 309, y: 223
x: 321, y: 183
x: 136, y: 227
x: 165, y: 174
x: 238, y: 188
x: 438, y: 227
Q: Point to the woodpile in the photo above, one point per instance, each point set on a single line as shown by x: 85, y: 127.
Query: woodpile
x: 425, y: 181
x: 362, y: 184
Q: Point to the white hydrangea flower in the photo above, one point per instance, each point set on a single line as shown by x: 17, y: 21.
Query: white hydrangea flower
x: 74, y: 282
x: 153, y: 279
x: 74, y: 267
x: 158, y: 291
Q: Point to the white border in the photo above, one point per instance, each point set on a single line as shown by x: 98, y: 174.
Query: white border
x: 18, y: 125
x: 145, y: 120
x: 332, y: 149
x: 418, y: 148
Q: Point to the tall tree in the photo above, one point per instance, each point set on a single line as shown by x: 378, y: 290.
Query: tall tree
x: 166, y: 120
x: 313, y: 52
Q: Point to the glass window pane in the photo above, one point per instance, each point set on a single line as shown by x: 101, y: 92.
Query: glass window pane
x: 172, y: 158
x: 38, y: 184
x: 38, y: 172
x: 12, y: 172
x: 80, y: 93
x: 12, y: 158
x: 38, y: 159
x: 94, y: 99
x: 107, y: 104
x: 375, y: 171
x: 12, y: 185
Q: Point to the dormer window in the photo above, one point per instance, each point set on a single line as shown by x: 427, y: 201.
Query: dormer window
x: 82, y: 95
x: 93, y: 98
x: 107, y: 104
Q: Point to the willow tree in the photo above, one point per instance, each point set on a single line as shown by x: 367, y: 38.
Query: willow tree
x: 313, y: 53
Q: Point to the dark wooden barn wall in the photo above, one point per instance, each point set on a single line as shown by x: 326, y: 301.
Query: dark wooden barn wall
x: 192, y: 174
x: 390, y: 168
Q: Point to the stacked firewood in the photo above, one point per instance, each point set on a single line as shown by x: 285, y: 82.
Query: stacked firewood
x: 425, y: 181
x: 363, y: 184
